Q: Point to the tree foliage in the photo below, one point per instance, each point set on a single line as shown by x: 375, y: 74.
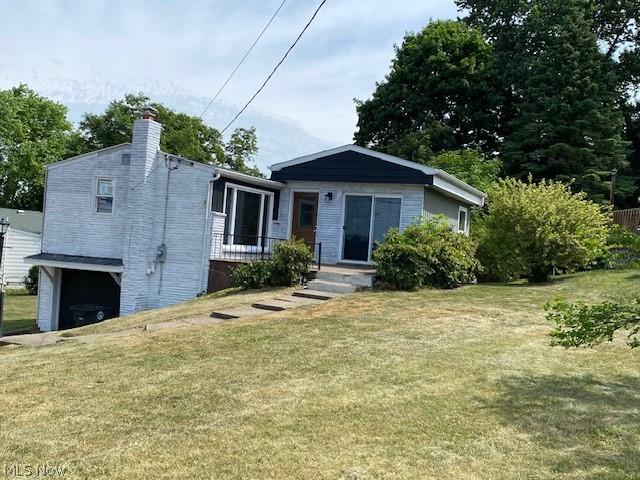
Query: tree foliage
x: 529, y: 229
x: 33, y: 132
x: 470, y: 166
x: 570, y: 70
x: 439, y: 95
x: 580, y: 324
x: 182, y: 134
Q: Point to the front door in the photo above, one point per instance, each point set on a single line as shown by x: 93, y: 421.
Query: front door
x: 305, y: 216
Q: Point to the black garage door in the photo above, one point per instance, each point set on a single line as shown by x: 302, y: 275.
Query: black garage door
x: 82, y: 286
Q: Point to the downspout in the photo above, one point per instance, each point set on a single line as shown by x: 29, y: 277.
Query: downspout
x: 209, y: 205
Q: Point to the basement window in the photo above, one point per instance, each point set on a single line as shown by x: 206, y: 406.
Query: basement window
x: 105, y: 190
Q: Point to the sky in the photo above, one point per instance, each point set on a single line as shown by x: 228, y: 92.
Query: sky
x: 189, y: 47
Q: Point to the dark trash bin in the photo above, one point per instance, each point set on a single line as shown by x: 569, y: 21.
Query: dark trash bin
x: 88, y: 313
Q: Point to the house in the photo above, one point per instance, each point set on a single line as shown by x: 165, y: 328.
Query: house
x: 135, y: 228
x: 21, y: 240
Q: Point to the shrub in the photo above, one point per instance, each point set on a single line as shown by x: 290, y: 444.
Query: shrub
x: 528, y: 229
x: 623, y: 248
x: 290, y: 262
x: 31, y: 280
x: 253, y: 275
x: 427, y: 253
x: 579, y: 324
x: 289, y: 265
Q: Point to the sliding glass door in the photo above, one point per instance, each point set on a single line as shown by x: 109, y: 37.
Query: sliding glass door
x: 367, y: 219
x: 357, y: 228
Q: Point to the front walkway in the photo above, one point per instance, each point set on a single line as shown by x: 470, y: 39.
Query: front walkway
x: 276, y: 304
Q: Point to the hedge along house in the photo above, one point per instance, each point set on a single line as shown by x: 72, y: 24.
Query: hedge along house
x: 132, y: 228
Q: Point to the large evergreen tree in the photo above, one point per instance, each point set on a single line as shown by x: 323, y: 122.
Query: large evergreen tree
x: 570, y: 69
x: 568, y: 125
x: 439, y: 95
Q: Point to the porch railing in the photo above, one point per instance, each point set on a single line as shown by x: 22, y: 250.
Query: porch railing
x: 249, y: 248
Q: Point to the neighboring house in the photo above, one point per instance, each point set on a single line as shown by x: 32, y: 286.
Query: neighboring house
x: 135, y: 228
x: 22, y: 240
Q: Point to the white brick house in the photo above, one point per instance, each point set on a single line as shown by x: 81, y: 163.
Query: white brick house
x: 133, y: 228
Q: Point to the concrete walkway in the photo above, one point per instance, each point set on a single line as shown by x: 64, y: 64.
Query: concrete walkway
x: 265, y: 307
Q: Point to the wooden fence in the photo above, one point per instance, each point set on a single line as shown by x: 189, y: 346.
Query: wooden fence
x: 629, y: 218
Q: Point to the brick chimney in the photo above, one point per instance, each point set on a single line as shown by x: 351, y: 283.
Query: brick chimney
x: 144, y: 173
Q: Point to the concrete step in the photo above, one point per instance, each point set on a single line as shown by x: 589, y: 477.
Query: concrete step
x: 356, y: 279
x: 315, y: 295
x: 333, y: 287
x: 274, y: 305
x: 239, y: 312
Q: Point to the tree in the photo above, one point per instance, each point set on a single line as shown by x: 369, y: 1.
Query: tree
x: 470, y: 166
x: 580, y: 324
x: 439, y: 95
x: 568, y: 69
x: 240, y: 149
x: 33, y: 133
x: 530, y: 229
x: 568, y: 125
x: 182, y: 134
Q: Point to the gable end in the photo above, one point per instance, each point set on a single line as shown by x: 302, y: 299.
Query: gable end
x: 351, y: 166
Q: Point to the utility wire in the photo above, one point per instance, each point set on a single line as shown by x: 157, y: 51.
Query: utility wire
x: 243, y: 58
x: 276, y: 68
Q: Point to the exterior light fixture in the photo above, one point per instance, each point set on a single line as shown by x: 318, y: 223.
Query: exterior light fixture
x: 329, y: 196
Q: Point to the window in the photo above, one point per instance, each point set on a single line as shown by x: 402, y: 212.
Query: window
x: 104, y: 196
x: 462, y: 220
x: 306, y: 211
x: 248, y: 212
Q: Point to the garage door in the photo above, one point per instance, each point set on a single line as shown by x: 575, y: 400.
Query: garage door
x: 81, y: 287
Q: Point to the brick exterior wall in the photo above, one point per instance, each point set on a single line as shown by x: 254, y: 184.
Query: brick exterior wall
x: 142, y: 221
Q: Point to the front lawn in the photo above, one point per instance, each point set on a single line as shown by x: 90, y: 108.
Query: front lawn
x: 19, y: 311
x: 428, y: 385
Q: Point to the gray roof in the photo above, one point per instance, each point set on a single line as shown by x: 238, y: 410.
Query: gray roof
x: 56, y: 257
x: 25, y: 220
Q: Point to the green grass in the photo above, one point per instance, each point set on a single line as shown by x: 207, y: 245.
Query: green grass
x: 19, y: 311
x: 427, y: 385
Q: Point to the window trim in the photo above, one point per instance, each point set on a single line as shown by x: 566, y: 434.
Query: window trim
x: 232, y: 214
x: 112, y: 196
x: 466, y: 219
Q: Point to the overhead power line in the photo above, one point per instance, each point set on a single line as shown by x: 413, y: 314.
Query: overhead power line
x: 276, y: 67
x: 226, y: 82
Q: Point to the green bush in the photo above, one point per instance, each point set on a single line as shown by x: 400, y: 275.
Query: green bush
x: 289, y: 265
x: 528, y: 229
x: 427, y: 253
x: 31, y: 280
x: 253, y: 275
x: 623, y: 248
x: 290, y: 262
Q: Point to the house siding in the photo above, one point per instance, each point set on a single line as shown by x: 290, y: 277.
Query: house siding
x: 142, y: 221
x: 18, y: 245
x: 70, y: 224
x: 435, y: 203
x: 329, y: 226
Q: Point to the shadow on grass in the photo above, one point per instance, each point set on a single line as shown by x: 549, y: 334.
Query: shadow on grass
x: 591, y: 424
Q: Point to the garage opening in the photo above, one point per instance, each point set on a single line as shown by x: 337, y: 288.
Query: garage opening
x: 93, y: 296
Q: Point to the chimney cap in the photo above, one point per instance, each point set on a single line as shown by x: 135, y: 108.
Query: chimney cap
x: 148, y: 113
